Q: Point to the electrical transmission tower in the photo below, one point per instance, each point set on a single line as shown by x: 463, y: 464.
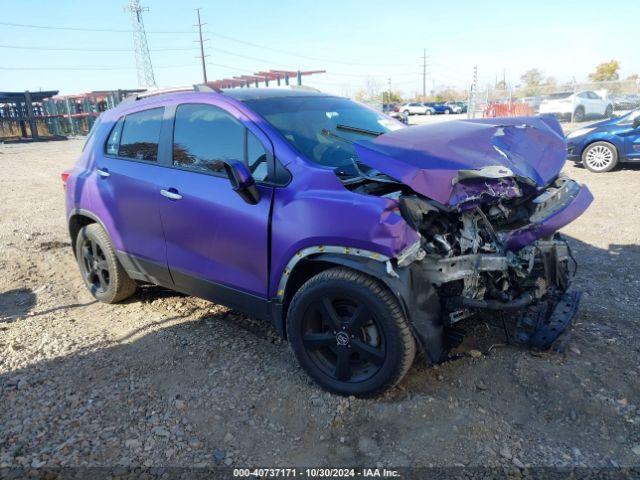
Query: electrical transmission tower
x: 143, y: 59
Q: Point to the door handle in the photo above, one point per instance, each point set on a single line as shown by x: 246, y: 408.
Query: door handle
x: 171, y: 195
x: 103, y: 172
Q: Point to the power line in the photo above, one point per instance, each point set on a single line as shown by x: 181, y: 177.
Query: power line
x: 105, y: 50
x: 87, y: 68
x: 87, y: 29
x: 219, y: 35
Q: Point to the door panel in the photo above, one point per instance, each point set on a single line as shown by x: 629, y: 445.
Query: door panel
x: 127, y: 194
x: 631, y: 143
x: 213, y: 235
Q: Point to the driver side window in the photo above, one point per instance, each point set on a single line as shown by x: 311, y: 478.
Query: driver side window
x: 205, y: 136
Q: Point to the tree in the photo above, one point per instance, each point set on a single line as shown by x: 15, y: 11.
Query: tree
x: 605, y: 71
x: 531, y: 80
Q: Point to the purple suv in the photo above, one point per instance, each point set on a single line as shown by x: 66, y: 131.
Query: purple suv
x: 361, y: 239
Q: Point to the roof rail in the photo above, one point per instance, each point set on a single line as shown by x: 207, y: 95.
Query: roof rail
x: 160, y: 91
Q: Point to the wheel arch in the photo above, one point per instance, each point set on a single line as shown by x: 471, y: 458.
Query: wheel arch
x: 79, y: 218
x: 311, y: 261
x: 422, y: 310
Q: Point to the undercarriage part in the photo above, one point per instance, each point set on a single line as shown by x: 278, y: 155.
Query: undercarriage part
x: 516, y: 304
x: 541, y: 326
x: 453, y: 337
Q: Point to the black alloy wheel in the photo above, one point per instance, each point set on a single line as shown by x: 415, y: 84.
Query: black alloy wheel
x: 343, y: 339
x: 96, y: 267
x: 349, y: 333
x: 101, y: 270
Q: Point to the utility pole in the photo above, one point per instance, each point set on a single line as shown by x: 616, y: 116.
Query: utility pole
x: 202, y: 55
x: 471, y: 103
x: 424, y: 72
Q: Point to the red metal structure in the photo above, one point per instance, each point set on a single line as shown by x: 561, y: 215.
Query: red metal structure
x: 278, y: 76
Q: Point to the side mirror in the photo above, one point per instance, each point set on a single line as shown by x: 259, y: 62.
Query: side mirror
x: 242, y: 181
x: 636, y: 122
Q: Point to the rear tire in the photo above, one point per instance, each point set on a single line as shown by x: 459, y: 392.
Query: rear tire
x: 407, y: 113
x: 578, y: 115
x: 349, y: 333
x: 600, y: 157
x: 101, y: 270
x: 608, y: 112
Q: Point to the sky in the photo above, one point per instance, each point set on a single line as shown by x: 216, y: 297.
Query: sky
x: 354, y: 41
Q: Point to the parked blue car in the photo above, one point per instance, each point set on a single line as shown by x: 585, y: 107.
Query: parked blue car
x: 439, y: 107
x: 600, y: 146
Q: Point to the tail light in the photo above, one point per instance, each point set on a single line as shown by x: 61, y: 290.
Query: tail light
x: 396, y: 109
x: 65, y: 176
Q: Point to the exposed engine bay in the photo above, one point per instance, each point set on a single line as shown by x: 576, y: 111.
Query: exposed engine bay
x: 494, y: 251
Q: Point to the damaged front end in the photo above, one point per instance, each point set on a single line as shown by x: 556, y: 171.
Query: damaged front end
x: 488, y: 234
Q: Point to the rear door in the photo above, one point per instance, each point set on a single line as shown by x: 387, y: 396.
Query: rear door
x: 128, y: 194
x: 217, y: 244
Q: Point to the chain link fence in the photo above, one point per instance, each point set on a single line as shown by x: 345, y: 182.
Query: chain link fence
x: 569, y: 101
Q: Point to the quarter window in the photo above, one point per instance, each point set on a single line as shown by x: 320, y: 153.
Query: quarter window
x: 205, y: 136
x: 257, y: 158
x: 140, y: 135
x: 113, y: 142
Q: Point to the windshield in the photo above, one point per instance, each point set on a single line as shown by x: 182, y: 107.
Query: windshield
x: 629, y: 117
x: 557, y: 96
x: 323, y: 128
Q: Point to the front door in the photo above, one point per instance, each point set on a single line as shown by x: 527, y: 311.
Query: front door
x: 631, y: 138
x: 217, y: 244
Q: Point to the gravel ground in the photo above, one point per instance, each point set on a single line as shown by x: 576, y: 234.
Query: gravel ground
x: 164, y: 379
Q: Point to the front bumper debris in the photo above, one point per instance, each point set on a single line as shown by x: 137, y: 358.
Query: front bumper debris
x: 554, y: 210
x: 541, y: 327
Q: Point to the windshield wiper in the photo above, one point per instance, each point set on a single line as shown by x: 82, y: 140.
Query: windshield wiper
x: 364, y: 131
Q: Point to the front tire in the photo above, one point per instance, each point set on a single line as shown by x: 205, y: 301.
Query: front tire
x: 600, y: 157
x: 349, y: 333
x: 101, y: 270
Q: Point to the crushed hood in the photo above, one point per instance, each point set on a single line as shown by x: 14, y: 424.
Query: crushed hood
x: 433, y: 159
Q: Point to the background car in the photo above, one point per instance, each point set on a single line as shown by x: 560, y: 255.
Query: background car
x: 602, y: 145
x: 439, y: 108
x: 414, y: 108
x: 577, y: 106
x: 533, y: 102
x: 625, y: 102
x: 457, y: 107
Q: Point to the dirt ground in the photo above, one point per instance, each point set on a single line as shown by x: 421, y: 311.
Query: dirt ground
x: 165, y: 379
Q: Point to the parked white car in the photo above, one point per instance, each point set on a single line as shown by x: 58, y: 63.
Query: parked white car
x: 579, y: 104
x: 415, y: 108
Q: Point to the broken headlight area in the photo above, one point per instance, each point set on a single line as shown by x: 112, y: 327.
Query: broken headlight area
x: 468, y: 255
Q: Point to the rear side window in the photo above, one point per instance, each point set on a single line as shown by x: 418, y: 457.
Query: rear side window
x: 136, y: 136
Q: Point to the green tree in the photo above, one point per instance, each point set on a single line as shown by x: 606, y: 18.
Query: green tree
x: 606, y: 71
x: 531, y: 80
